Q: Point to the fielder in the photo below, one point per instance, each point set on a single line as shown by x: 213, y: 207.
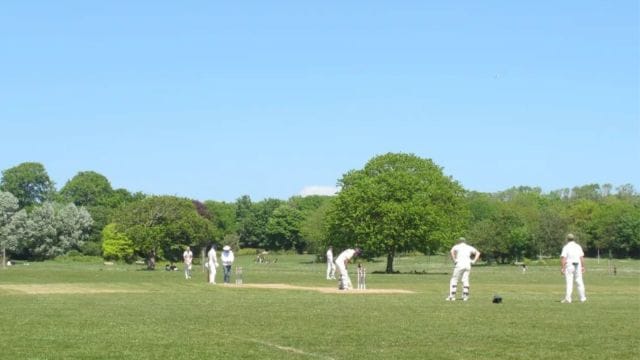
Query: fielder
x: 187, y: 258
x: 572, y: 261
x: 212, y: 264
x: 331, y: 267
x: 461, y: 255
x: 341, y: 263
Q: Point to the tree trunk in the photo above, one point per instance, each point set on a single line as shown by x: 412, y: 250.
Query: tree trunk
x: 390, y: 255
x: 151, y: 261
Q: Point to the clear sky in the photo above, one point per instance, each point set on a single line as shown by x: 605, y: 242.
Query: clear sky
x: 213, y: 100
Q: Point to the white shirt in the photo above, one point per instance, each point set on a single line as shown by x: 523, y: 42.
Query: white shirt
x: 572, y: 252
x: 329, y: 256
x: 345, y: 255
x: 463, y: 254
x: 213, y: 261
x: 226, y: 257
x: 188, y: 257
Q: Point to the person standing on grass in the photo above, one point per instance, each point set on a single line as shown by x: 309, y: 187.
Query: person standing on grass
x: 461, y: 255
x: 341, y: 263
x: 572, y: 266
x: 212, y: 264
x: 187, y: 258
x: 227, y: 262
x: 331, y: 267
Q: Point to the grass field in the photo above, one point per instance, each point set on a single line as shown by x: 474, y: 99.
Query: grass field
x: 56, y: 310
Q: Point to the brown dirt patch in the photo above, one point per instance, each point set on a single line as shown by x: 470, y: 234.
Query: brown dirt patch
x: 37, y: 289
x: 324, y: 289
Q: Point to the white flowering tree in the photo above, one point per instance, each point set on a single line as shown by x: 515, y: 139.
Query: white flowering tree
x: 50, y: 230
x: 9, y: 205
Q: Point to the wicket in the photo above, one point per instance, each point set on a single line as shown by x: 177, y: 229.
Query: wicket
x: 362, y: 277
x: 238, y: 275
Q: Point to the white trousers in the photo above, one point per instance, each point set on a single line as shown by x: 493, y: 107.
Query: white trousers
x: 460, y: 272
x: 212, y: 274
x: 187, y: 271
x: 345, y: 281
x: 331, y: 270
x: 574, y: 273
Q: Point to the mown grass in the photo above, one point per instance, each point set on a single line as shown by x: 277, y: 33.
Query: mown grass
x: 163, y: 316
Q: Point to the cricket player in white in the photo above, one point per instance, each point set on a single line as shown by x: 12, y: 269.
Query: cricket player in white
x: 331, y: 267
x: 212, y: 264
x: 461, y: 255
x: 572, y: 261
x: 341, y: 263
x: 187, y: 257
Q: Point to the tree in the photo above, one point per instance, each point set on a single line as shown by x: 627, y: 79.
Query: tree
x: 116, y: 245
x: 283, y: 229
x: 94, y: 192
x: 163, y: 225
x: 29, y: 182
x: 591, y: 192
x: 224, y: 217
x: 51, y: 230
x: 398, y: 202
x: 313, y: 230
x: 9, y: 205
x: 246, y: 222
x: 616, y: 226
x: 87, y: 188
x: 252, y: 220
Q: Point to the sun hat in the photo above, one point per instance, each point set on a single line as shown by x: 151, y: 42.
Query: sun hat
x: 226, y: 248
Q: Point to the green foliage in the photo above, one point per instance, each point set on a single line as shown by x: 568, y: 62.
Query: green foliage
x: 29, y: 183
x: 116, y: 245
x: 49, y: 230
x: 397, y: 203
x: 224, y: 217
x: 163, y: 225
x: 283, y: 229
x: 252, y: 220
x: 313, y: 230
x: 616, y: 225
x: 87, y: 188
x: 91, y: 248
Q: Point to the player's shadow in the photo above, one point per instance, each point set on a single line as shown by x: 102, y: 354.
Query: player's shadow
x: 413, y: 272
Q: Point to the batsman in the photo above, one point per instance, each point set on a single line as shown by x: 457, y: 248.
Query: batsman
x: 341, y: 263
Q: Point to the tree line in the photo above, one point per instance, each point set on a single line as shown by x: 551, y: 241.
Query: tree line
x: 396, y: 203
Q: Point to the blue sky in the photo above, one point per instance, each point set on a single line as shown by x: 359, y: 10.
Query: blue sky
x: 213, y: 100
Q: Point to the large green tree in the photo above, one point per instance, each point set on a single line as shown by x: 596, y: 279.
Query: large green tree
x: 398, y: 202
x: 87, y: 188
x: 29, y: 182
x: 283, y: 229
x: 163, y: 225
